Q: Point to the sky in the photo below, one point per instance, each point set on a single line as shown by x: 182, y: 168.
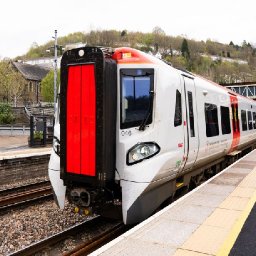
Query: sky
x: 27, y: 21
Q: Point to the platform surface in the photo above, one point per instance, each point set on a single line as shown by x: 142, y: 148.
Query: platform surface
x: 17, y: 146
x: 206, y: 221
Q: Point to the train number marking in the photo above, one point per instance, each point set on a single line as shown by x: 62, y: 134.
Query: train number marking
x: 126, y: 133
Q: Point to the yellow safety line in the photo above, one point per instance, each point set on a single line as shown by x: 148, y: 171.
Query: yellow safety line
x: 230, y: 240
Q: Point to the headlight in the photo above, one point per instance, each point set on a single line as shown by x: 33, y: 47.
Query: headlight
x: 56, y: 145
x: 141, y: 151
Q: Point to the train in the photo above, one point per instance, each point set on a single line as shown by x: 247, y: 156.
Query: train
x: 131, y: 131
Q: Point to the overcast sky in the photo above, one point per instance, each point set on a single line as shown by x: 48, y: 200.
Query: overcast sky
x: 27, y: 21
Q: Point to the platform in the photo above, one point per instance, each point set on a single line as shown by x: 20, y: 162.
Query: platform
x: 17, y: 146
x: 206, y: 221
x: 26, y: 152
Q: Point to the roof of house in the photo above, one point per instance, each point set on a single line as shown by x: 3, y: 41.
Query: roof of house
x: 31, y: 72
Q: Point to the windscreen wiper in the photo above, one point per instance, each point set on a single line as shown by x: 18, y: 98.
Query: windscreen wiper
x: 150, y: 109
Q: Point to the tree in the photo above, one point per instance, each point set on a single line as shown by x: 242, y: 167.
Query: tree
x: 47, y: 86
x: 16, y: 86
x: 4, y: 80
x: 159, y: 31
x: 184, y: 49
x: 12, y: 83
x: 123, y: 33
x: 148, y: 40
x: 231, y: 43
x: 6, y: 114
x: 177, y: 61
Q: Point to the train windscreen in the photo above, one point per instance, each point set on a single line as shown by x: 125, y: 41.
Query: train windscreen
x: 136, y: 85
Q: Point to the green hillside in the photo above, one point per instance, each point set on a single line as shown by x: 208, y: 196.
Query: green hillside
x: 219, y: 62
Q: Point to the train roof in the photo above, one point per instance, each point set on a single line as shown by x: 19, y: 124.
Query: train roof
x: 225, y: 88
x: 127, y: 55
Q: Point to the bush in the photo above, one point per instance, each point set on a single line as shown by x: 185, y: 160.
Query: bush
x: 38, y: 135
x: 6, y: 115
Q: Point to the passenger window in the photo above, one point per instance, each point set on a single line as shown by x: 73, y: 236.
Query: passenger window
x: 191, y: 114
x: 249, y: 120
x: 225, y: 120
x: 178, y: 110
x: 254, y: 120
x: 244, y: 121
x: 211, y: 120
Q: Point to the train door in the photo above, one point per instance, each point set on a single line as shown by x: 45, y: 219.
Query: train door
x: 235, y: 122
x: 191, y: 134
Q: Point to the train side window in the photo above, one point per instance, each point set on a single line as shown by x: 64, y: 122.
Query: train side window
x: 249, y: 120
x: 191, y: 114
x: 254, y: 120
x: 178, y: 110
x: 244, y: 120
x: 225, y: 120
x: 211, y: 120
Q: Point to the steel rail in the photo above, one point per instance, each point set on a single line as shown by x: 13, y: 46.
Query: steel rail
x: 24, y: 187
x: 25, y: 196
x: 54, y: 239
x: 98, y: 241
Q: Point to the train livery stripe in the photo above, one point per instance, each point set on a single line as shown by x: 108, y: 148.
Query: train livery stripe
x: 73, y: 120
x: 88, y: 122
x: 235, y: 123
x: 81, y: 120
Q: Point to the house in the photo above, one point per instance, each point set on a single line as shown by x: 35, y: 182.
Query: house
x: 33, y: 74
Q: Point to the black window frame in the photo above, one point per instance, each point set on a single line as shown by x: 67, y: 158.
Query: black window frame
x: 178, y: 110
x: 244, y: 120
x: 225, y: 120
x: 249, y: 119
x: 191, y: 114
x: 254, y: 119
x: 132, y: 72
x: 212, y: 129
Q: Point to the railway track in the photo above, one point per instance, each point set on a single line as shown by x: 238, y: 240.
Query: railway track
x: 82, y: 249
x: 25, y: 187
x: 20, y: 195
x: 98, y: 241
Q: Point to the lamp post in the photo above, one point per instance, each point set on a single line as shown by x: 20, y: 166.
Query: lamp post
x: 55, y: 68
x: 56, y: 47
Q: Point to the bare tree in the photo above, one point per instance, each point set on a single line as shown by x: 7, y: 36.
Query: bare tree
x: 4, y: 79
x: 17, y: 86
x: 12, y: 83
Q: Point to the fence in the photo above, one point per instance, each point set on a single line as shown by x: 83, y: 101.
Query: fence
x: 14, y: 129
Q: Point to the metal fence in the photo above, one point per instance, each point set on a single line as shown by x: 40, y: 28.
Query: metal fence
x: 14, y: 130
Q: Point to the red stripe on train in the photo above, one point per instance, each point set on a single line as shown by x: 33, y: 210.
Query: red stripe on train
x: 81, y: 120
x: 235, y: 123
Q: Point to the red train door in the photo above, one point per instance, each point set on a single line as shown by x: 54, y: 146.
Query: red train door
x: 81, y: 120
x: 235, y: 123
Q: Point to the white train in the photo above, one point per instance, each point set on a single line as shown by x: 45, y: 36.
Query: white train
x: 131, y: 130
